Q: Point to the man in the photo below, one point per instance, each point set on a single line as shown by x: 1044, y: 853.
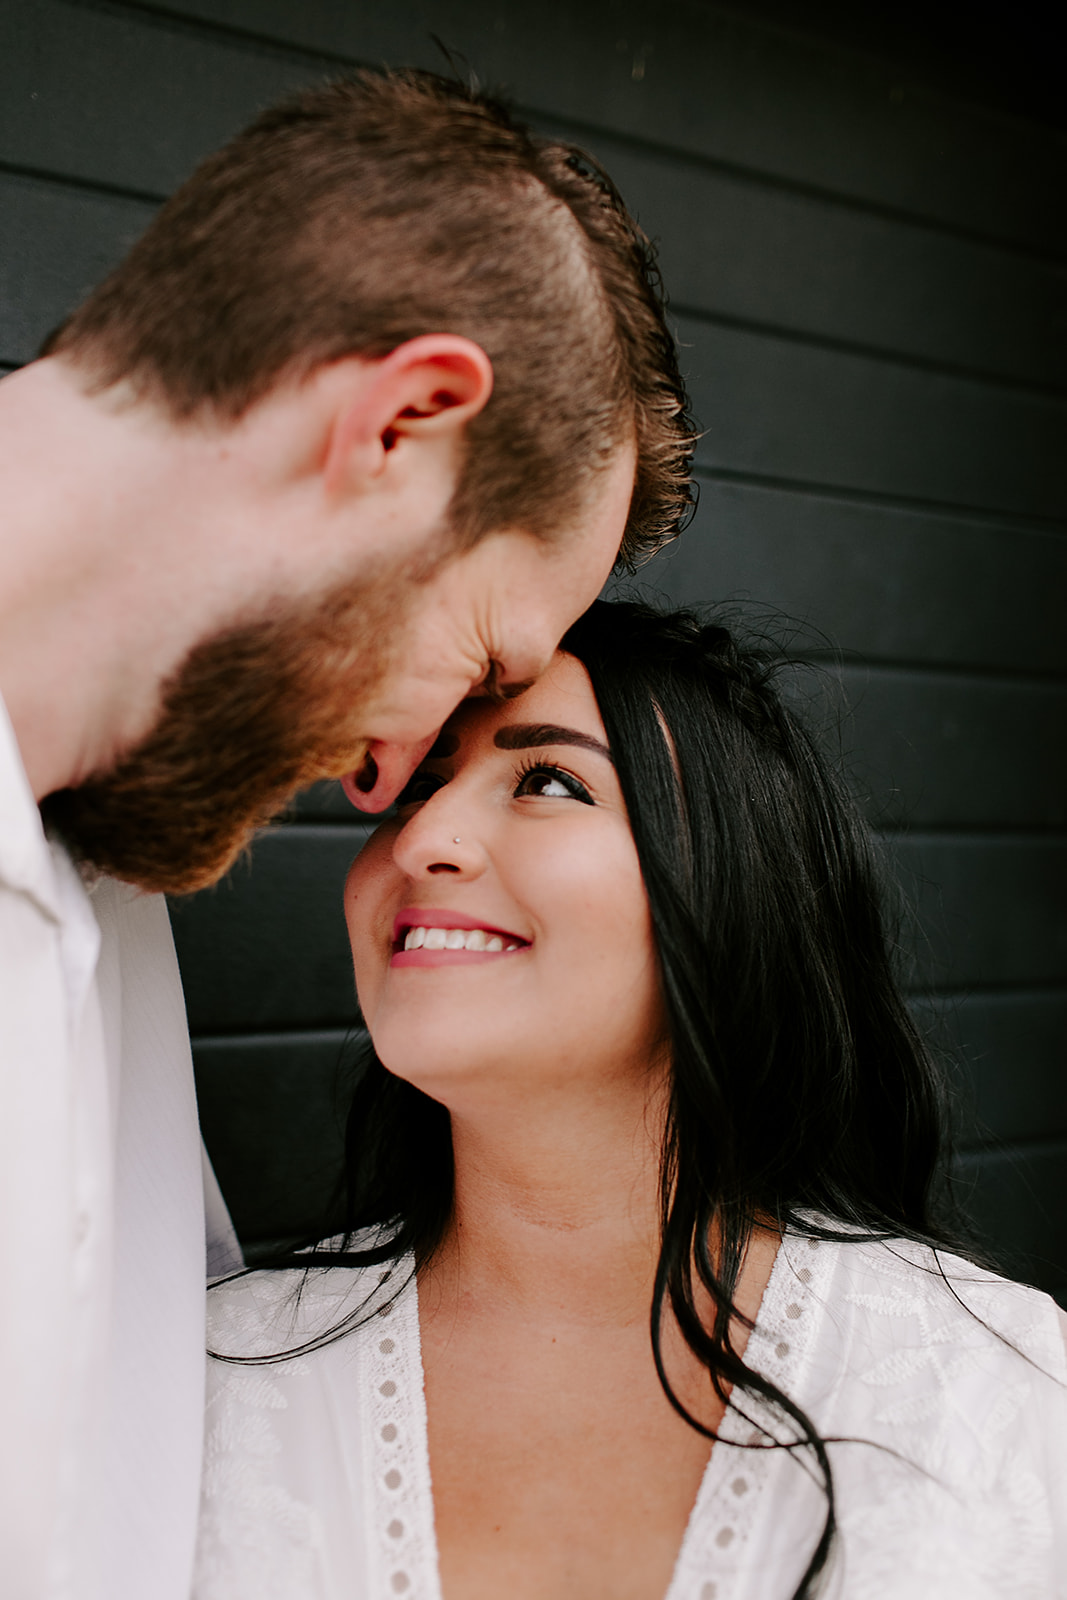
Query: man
x: 357, y: 429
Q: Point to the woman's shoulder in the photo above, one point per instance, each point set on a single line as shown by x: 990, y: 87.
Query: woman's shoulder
x: 901, y: 1284
x: 260, y: 1314
x: 941, y: 1388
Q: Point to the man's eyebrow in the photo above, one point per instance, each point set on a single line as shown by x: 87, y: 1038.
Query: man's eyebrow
x: 498, y: 692
x: 530, y: 735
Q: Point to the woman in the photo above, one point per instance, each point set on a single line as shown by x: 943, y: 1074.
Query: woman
x: 640, y: 1063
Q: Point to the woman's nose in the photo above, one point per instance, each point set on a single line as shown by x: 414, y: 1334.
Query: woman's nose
x: 440, y: 838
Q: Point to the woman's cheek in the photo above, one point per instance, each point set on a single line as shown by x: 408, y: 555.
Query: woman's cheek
x: 365, y: 889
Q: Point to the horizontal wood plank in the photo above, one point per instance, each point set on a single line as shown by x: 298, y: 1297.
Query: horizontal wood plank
x: 114, y: 98
x: 268, y: 948
x: 1007, y: 1054
x: 58, y: 242
x: 852, y: 276
x: 989, y: 909
x: 943, y: 751
x: 272, y: 1112
x: 716, y: 84
x: 746, y: 250
x: 918, y: 750
x: 273, y: 1109
x: 890, y: 583
x: 777, y: 408
x: 325, y: 802
x: 1015, y: 1197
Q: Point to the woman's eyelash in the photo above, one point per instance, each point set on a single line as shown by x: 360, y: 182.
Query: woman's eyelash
x: 573, y: 785
x: 427, y: 782
x: 422, y: 784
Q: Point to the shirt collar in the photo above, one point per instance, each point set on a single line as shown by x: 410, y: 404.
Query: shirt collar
x: 26, y: 863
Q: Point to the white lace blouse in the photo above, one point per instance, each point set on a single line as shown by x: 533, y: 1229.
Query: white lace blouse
x: 317, y: 1476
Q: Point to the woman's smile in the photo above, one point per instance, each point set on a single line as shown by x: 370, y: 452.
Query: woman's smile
x: 436, y: 938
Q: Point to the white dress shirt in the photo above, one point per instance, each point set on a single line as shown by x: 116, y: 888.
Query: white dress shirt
x: 101, y: 1231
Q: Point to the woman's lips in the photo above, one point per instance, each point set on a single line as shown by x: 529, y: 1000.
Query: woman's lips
x: 439, y: 938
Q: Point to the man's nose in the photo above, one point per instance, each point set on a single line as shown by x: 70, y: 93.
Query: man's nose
x: 385, y: 771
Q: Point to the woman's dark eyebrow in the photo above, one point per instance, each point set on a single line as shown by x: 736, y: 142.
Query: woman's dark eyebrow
x: 530, y: 735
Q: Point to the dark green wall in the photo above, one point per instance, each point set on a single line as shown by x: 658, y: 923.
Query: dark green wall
x: 868, y: 277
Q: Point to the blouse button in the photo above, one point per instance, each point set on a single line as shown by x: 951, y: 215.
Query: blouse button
x: 388, y: 1389
x: 393, y: 1479
x: 793, y: 1311
x: 804, y: 1274
x: 387, y: 1347
x: 724, y: 1537
x: 740, y: 1486
x: 400, y: 1582
x: 709, y: 1590
x: 389, y: 1432
x: 781, y: 1350
x: 395, y: 1529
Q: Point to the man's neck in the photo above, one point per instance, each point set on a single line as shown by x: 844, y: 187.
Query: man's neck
x: 82, y: 649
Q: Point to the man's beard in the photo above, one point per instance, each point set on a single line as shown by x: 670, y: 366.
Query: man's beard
x: 253, y: 715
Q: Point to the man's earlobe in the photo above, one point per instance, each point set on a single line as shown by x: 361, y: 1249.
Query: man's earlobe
x: 432, y: 385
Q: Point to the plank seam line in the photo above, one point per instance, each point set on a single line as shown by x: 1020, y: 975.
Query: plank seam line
x: 1005, y: 521
x: 1001, y: 517
x: 565, y: 127
x: 338, y: 1035
x: 331, y: 825
x: 972, y: 673
x: 257, y: 1032
x: 986, y: 989
x: 1034, y: 1144
x: 95, y: 186
x: 277, y: 46
x: 880, y: 353
x: 991, y: 991
x: 319, y: 825
x: 935, y: 833
x: 849, y: 52
x: 167, y: 18
x: 1014, y: 833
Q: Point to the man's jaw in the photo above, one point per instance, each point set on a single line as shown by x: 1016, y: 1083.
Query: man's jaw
x: 386, y: 769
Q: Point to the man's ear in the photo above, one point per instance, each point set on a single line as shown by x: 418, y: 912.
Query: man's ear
x: 430, y: 386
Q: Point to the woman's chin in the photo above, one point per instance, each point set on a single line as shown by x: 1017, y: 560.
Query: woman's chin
x: 444, y: 1055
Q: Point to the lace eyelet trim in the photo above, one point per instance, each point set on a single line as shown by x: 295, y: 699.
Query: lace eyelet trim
x: 400, y: 1503
x: 712, y: 1556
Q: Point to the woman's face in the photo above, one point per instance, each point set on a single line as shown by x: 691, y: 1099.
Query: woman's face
x: 499, y: 926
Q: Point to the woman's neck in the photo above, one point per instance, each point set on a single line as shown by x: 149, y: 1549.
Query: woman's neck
x: 557, y: 1207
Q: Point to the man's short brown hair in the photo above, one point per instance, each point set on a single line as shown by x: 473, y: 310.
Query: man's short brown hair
x: 387, y: 205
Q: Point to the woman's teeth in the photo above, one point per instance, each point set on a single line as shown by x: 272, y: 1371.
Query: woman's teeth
x: 455, y: 939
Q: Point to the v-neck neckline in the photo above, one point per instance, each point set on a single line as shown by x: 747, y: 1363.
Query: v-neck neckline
x: 402, y: 1534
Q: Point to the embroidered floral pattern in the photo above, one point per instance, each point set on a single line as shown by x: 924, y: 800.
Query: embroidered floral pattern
x: 944, y: 1493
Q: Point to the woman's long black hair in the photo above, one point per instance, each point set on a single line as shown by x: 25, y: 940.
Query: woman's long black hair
x: 803, y: 1096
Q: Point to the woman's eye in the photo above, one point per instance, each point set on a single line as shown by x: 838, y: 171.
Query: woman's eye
x: 550, y: 783
x: 419, y: 787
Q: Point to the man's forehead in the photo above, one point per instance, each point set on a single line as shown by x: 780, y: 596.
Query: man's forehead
x: 562, y: 696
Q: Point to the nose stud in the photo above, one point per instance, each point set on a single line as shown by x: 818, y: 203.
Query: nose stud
x: 456, y: 839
